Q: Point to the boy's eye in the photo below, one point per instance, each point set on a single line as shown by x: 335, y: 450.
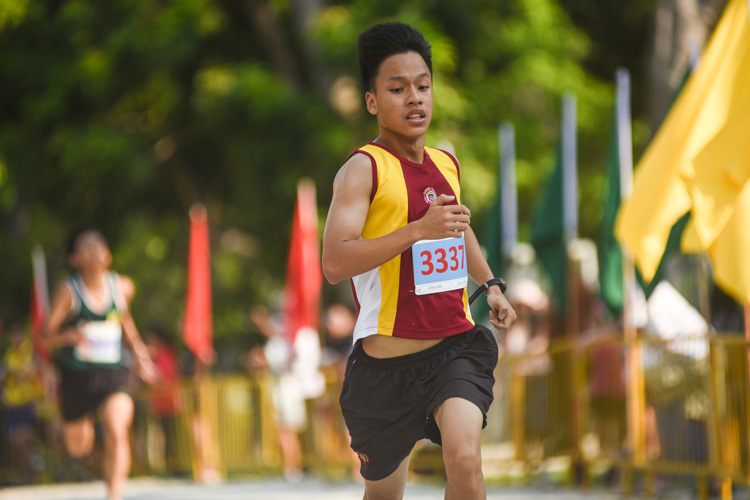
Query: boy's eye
x: 424, y: 87
x: 397, y: 90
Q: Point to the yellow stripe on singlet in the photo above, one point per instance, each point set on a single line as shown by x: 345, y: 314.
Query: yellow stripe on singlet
x: 389, y: 210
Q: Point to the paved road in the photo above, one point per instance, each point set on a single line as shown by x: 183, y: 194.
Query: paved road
x: 274, y: 489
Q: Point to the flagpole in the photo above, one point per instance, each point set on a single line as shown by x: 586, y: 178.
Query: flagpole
x: 746, y: 308
x: 39, y: 314
x: 569, y: 160
x: 570, y: 207
x: 570, y: 204
x: 509, y: 197
x: 40, y: 301
x: 636, y: 405
x: 625, y: 157
x: 569, y: 163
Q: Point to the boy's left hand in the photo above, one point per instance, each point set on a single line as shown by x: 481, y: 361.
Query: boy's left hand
x: 147, y: 370
x: 502, y: 314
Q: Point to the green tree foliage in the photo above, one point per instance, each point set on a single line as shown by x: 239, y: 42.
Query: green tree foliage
x: 124, y: 113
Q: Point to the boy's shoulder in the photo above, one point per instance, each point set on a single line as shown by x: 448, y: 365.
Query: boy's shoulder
x: 441, y: 153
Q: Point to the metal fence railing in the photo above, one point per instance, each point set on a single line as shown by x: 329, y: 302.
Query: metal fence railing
x: 645, y: 407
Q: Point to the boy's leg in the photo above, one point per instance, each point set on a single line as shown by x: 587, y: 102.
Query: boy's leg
x: 391, y: 487
x: 116, y: 416
x: 78, y: 436
x: 460, y: 424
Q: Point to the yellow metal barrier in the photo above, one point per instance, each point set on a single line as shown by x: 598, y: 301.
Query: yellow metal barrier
x: 658, y: 407
x: 689, y: 399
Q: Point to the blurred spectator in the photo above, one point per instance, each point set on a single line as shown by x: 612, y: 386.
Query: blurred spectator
x: 528, y: 338
x: 606, y: 382
x: 4, y: 446
x: 288, y: 395
x: 163, y: 395
x: 339, y: 321
x: 22, y: 390
x: 201, y: 399
x: 529, y: 334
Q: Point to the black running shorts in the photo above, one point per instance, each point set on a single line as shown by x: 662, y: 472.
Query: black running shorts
x: 82, y: 392
x: 388, y: 403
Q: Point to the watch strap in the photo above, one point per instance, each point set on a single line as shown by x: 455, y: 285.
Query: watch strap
x: 486, y: 285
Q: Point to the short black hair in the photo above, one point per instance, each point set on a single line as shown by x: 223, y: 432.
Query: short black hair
x: 381, y: 41
x: 75, y: 235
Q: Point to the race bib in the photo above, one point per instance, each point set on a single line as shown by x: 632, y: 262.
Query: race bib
x: 439, y: 265
x: 103, y: 340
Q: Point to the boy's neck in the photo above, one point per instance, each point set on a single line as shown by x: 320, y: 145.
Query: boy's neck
x: 92, y: 278
x: 411, y: 149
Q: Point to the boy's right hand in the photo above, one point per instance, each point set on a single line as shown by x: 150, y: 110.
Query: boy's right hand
x: 72, y: 336
x: 445, y: 221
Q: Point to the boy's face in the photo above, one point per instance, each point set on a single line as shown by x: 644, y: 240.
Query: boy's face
x: 402, y: 98
x: 91, y: 252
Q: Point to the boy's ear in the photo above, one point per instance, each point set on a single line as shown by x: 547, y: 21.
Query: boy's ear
x: 372, y: 103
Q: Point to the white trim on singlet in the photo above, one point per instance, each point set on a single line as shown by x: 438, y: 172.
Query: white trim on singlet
x: 113, y: 291
x: 120, y: 301
x: 75, y: 304
x: 370, y: 298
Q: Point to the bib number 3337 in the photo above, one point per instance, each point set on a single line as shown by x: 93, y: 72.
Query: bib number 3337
x: 439, y: 265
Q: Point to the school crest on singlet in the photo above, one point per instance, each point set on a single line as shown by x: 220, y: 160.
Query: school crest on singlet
x: 429, y: 195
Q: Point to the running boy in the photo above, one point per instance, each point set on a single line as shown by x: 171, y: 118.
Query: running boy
x: 88, y: 319
x: 420, y: 367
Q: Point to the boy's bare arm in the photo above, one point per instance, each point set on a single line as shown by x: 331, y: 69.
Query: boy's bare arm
x: 143, y: 361
x: 52, y: 337
x: 501, y: 312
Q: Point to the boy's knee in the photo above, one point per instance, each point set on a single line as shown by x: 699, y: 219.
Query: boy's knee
x: 465, y: 463
x: 78, y: 449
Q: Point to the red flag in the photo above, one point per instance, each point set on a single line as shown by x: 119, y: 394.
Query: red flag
x: 304, y: 276
x: 198, y: 326
x: 39, y: 302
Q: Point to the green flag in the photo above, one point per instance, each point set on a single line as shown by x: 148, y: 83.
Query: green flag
x: 548, y: 235
x: 500, y: 230
x: 492, y: 243
x: 610, y: 254
x: 672, y: 248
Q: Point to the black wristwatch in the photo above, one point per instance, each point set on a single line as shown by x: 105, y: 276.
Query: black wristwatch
x: 485, y: 286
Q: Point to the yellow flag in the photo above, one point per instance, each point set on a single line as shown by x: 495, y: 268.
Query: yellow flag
x: 721, y: 171
x: 720, y: 219
x: 729, y: 252
x: 663, y: 183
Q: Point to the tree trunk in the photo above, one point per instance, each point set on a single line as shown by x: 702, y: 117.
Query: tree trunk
x: 680, y: 32
x: 270, y: 31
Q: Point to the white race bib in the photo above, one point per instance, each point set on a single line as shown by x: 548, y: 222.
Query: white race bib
x: 439, y: 265
x: 103, y: 342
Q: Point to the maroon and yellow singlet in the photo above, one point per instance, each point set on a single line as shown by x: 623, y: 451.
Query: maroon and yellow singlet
x: 386, y: 300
